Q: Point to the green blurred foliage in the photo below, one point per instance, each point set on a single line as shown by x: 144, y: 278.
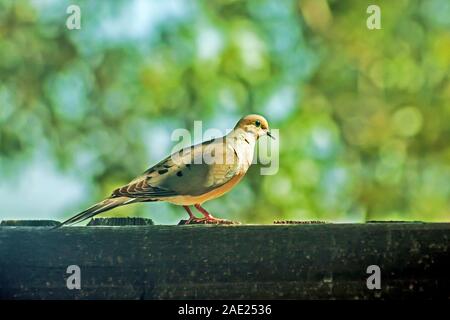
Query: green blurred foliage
x: 364, y: 115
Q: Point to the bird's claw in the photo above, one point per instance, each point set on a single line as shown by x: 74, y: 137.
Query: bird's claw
x: 206, y: 221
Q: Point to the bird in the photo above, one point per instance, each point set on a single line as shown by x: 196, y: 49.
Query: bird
x: 192, y: 175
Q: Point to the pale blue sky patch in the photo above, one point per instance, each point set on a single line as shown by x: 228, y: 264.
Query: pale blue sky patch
x: 157, y: 139
x: 51, y: 10
x: 227, y: 100
x: 209, y: 42
x: 40, y: 191
x: 252, y: 48
x: 322, y: 143
x: 437, y: 12
x: 281, y: 104
x: 139, y: 19
x: 224, y: 121
x: 68, y: 91
x: 334, y: 182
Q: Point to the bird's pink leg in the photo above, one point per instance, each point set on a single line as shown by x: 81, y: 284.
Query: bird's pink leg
x: 191, y: 216
x: 207, y: 215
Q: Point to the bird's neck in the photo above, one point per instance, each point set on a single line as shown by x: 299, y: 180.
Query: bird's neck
x: 244, y: 144
x: 242, y: 136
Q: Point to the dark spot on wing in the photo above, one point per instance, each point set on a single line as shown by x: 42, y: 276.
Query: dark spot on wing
x: 167, y: 166
x: 162, y: 171
x: 179, y: 173
x: 213, y: 152
x: 115, y: 194
x: 208, y: 142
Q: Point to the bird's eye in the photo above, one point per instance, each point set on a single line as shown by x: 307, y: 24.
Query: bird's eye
x: 257, y: 123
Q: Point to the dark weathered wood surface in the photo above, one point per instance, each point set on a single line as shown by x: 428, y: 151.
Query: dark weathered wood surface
x: 316, y: 261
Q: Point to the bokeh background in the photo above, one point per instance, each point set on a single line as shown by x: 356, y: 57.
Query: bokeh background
x: 364, y: 115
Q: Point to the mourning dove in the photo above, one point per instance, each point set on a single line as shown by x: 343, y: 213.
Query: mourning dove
x: 192, y: 175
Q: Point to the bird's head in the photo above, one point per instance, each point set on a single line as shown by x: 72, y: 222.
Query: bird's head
x: 254, y: 124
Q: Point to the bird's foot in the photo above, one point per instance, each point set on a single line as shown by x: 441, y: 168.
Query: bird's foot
x: 212, y: 220
x: 209, y: 220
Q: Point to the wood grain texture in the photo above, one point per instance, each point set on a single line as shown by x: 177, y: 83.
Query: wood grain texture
x: 316, y: 261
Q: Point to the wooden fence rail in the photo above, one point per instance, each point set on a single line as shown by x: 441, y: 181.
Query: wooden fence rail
x: 315, y: 261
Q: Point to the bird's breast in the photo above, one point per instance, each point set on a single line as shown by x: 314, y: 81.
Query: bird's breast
x: 245, y: 152
x: 187, y: 200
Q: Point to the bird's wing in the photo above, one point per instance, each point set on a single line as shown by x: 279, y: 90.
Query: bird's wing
x: 192, y: 171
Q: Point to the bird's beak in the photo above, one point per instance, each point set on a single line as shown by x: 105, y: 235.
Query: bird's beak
x: 270, y: 135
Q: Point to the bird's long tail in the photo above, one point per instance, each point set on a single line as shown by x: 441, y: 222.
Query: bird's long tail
x: 97, y: 208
